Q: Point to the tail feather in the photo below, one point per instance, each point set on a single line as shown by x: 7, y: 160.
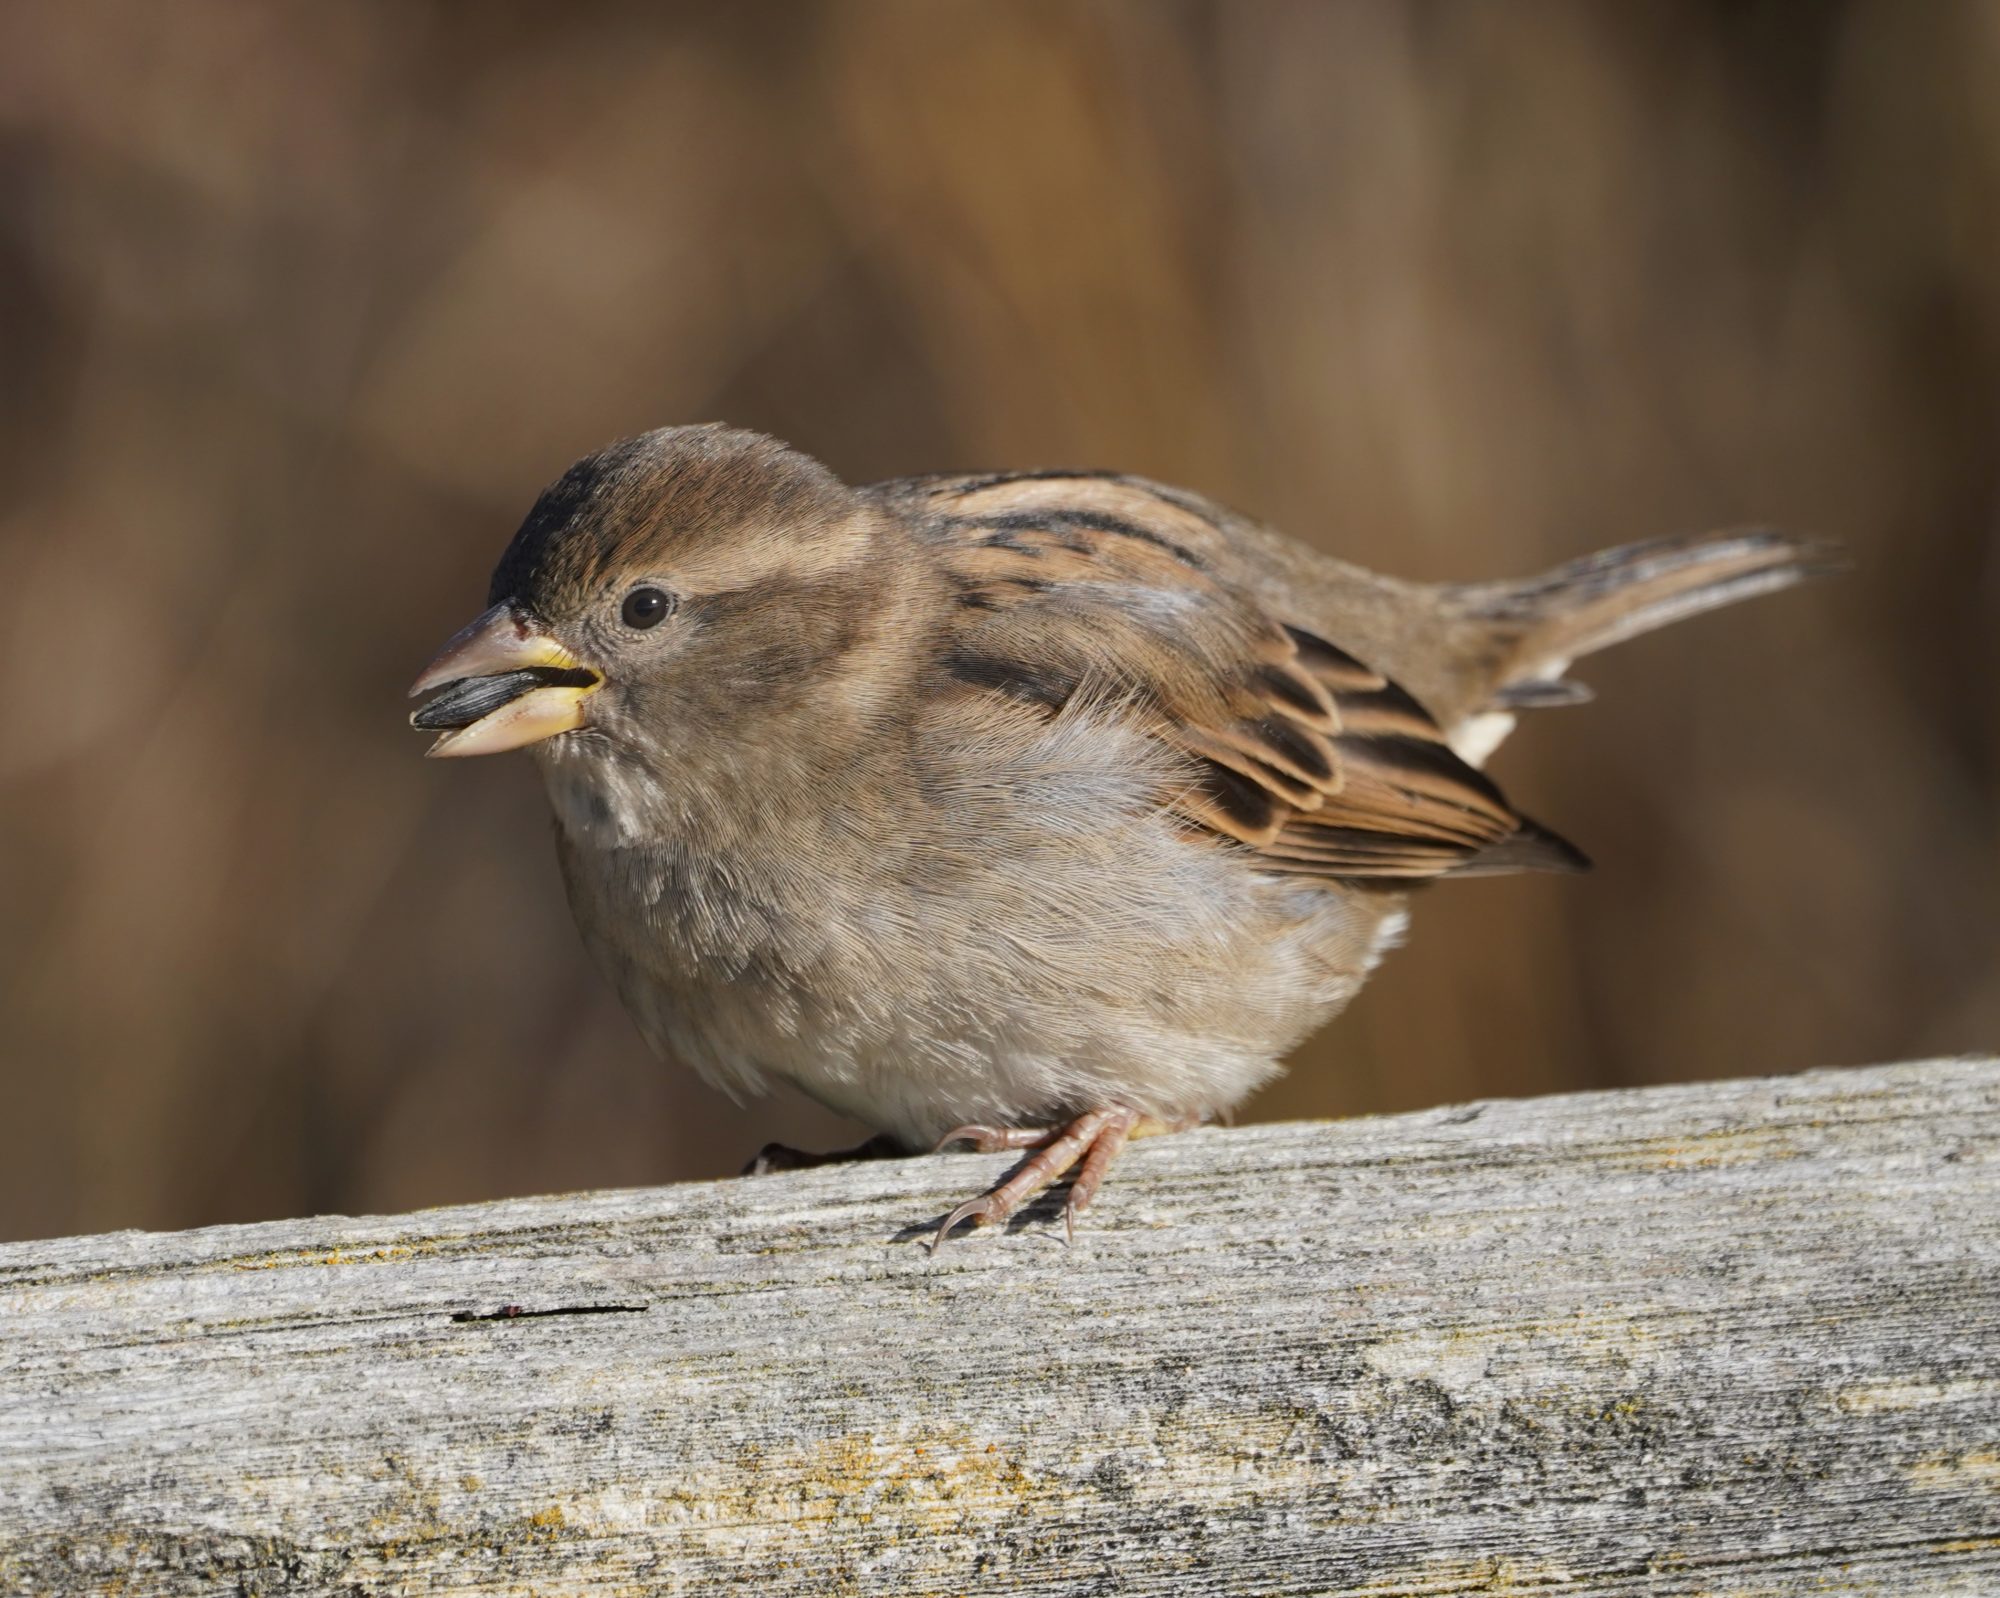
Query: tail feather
x: 1548, y: 621
x: 1530, y: 847
x: 1541, y: 694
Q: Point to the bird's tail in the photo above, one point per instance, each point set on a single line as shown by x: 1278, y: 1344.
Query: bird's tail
x: 1538, y: 626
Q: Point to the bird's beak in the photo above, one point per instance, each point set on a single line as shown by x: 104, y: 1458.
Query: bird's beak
x: 505, y: 685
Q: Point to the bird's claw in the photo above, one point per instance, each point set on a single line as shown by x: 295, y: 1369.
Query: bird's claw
x: 1094, y: 1137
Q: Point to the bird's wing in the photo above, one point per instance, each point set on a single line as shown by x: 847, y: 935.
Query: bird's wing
x: 1075, y: 582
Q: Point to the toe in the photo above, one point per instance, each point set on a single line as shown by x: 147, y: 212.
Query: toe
x: 994, y: 1139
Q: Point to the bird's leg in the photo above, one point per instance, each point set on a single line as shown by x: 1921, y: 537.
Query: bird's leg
x: 1096, y: 1162
x: 1094, y: 1137
x: 781, y: 1157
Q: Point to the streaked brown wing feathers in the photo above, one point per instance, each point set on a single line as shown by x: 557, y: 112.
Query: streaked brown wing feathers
x: 1397, y: 803
x: 1299, y: 750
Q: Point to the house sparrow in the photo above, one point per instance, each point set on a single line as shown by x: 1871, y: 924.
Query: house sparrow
x: 1037, y: 809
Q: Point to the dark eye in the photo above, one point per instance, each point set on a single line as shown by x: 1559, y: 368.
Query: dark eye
x: 646, y: 607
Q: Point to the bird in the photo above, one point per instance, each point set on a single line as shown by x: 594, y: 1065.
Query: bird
x: 1033, y: 810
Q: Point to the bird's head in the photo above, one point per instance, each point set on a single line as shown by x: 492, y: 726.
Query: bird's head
x: 695, y: 580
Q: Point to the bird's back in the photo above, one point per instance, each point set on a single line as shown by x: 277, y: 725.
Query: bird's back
x: 1471, y: 654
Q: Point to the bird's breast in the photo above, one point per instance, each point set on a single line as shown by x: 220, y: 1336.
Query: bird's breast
x: 1048, y: 937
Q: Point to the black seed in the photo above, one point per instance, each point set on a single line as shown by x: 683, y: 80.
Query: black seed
x: 470, y: 698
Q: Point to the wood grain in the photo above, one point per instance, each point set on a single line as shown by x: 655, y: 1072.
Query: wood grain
x: 1729, y: 1338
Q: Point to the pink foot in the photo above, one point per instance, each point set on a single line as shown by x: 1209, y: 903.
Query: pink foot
x: 1094, y: 1138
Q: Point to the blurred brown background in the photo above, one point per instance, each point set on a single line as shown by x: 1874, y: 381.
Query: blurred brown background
x: 300, y: 305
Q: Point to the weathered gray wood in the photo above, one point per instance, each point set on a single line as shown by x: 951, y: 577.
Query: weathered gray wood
x: 1738, y: 1338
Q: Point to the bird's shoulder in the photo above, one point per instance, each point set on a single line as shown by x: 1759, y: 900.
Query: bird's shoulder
x: 1104, y: 588
x: 1134, y: 523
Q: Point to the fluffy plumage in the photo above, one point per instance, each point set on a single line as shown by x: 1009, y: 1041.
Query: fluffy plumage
x: 1004, y: 799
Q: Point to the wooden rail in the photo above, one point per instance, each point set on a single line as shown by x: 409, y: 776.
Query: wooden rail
x: 1732, y: 1338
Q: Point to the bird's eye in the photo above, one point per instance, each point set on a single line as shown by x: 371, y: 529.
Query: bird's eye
x: 646, y: 607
